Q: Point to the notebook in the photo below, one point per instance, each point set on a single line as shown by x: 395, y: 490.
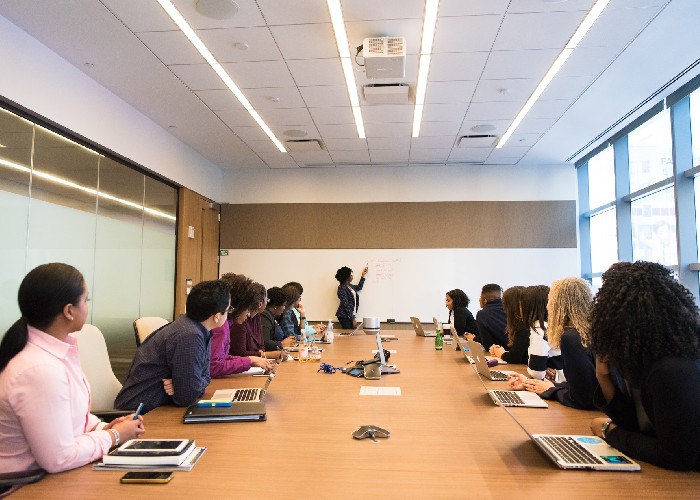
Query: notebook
x: 418, y: 328
x: 475, y: 355
x: 247, y: 405
x: 511, y: 398
x: 382, y: 360
x: 579, y: 452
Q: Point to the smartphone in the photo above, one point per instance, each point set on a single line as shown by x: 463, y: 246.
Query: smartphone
x: 146, y: 477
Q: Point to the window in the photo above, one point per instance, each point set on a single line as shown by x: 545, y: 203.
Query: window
x: 650, y: 154
x: 603, y: 240
x: 695, y: 128
x: 654, y: 228
x: 601, y: 178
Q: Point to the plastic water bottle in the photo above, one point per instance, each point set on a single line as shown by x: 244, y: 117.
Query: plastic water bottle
x: 438, y: 338
x: 329, y: 332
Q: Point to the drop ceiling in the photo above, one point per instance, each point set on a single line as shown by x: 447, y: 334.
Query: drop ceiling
x: 488, y: 57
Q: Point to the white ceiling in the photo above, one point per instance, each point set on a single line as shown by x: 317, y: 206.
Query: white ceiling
x: 488, y: 57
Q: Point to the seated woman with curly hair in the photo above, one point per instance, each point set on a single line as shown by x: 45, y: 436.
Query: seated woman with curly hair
x: 645, y: 331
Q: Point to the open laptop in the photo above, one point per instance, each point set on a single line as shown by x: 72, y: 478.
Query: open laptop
x: 511, y: 398
x: 418, y: 328
x: 247, y: 405
x: 382, y: 360
x: 357, y: 328
x: 475, y: 355
x: 579, y: 452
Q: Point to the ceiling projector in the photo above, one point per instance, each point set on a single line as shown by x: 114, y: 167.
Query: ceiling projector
x: 385, y: 57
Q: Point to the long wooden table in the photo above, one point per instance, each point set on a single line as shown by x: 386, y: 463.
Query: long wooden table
x: 448, y: 440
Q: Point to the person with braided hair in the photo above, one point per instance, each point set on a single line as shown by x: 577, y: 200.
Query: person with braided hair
x: 645, y: 331
x: 568, y: 308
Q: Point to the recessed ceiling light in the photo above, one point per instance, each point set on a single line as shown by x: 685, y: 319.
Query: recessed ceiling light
x: 241, y: 45
x: 172, y: 126
x: 274, y: 98
x: 503, y: 91
x: 89, y: 65
x: 484, y: 127
x: 295, y: 133
x: 217, y: 9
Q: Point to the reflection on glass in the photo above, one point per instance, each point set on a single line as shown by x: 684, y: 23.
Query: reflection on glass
x: 650, y: 152
x: 601, y: 178
x: 695, y: 126
x: 15, y: 149
x: 696, y: 183
x: 654, y: 228
x: 603, y: 240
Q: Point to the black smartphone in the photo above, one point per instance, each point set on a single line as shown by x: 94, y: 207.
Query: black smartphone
x: 146, y: 477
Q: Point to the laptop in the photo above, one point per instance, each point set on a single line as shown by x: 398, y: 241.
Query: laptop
x: 385, y: 369
x: 511, y: 398
x: 343, y: 334
x: 247, y: 405
x: 569, y: 451
x: 475, y: 355
x: 418, y: 328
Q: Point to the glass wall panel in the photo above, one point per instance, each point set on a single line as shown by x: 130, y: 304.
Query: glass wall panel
x: 15, y: 160
x: 695, y: 126
x: 158, y: 255
x: 601, y: 178
x: 654, y: 228
x: 63, y: 203
x: 650, y: 152
x: 603, y: 240
x: 116, y: 290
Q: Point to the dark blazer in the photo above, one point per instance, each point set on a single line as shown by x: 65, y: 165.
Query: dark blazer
x: 463, y: 321
x: 348, y: 307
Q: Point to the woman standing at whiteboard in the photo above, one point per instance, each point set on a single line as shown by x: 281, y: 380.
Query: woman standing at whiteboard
x: 349, y: 296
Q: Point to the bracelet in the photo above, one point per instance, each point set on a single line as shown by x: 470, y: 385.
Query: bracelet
x: 604, y: 428
x: 302, y: 317
x: 115, y: 435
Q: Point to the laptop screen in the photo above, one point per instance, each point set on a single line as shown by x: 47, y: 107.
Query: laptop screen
x: 380, y: 349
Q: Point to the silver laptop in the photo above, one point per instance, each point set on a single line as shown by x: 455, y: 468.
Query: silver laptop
x: 246, y: 394
x: 247, y: 406
x: 357, y: 328
x: 418, y: 328
x: 511, y: 398
x: 579, y: 452
x: 382, y: 360
x: 476, y: 355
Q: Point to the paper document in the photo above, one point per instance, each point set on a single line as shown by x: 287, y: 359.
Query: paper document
x: 367, y: 390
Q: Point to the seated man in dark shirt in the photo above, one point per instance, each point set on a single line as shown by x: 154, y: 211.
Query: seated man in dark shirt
x: 491, y: 319
x: 172, y: 365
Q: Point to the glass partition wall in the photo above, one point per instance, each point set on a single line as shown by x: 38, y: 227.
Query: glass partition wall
x: 62, y: 202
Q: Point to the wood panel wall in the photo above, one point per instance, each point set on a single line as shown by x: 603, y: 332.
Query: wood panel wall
x: 198, y: 257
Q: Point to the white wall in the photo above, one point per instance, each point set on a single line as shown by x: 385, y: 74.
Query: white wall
x: 44, y: 83
x: 401, y: 184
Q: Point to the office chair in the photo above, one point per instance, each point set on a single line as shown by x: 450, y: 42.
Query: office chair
x: 10, y: 481
x: 146, y: 325
x: 94, y: 360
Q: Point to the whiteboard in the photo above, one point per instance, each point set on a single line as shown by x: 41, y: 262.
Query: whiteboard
x: 401, y: 282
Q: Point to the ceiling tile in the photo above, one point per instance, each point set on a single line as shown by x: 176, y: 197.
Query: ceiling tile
x: 338, y: 131
x: 448, y: 67
x: 171, y: 47
x: 198, y: 76
x: 432, y: 155
x: 295, y: 132
x: 332, y: 115
x: 443, y: 92
x: 286, y: 117
x: 322, y: 96
x: 587, y: 61
x: 279, y: 160
x: 465, y: 34
x: 361, y: 155
x: 334, y: 145
x: 312, y: 157
x: 429, y: 129
x: 515, y: 89
x: 389, y: 156
x: 371, y: 10
x: 489, y: 111
x: 531, y: 125
x: 395, y: 143
x: 248, y: 15
x: 508, y: 152
x: 472, y: 7
x: 550, y: 5
x: 238, y: 118
x: 219, y: 99
x: 444, y: 112
x: 467, y: 126
x: 266, y: 146
x: 259, y: 74
x: 550, y: 30
x: 274, y: 97
x: 524, y: 139
x: 222, y: 43
x: 388, y: 113
x: 306, y: 41
x: 507, y: 64
x: 376, y: 129
x: 566, y: 87
x: 317, y: 72
x: 434, y: 142
x: 250, y: 133
x: 296, y: 12
x: 549, y: 109
x: 469, y: 154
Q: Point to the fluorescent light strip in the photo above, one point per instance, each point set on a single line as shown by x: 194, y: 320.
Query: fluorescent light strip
x: 177, y: 18
x: 73, y: 185
x: 575, y: 39
x: 426, y: 48
x: 341, y: 39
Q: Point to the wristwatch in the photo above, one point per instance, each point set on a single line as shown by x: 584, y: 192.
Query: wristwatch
x: 604, y: 428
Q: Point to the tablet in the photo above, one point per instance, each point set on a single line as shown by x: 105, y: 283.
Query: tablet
x: 139, y: 446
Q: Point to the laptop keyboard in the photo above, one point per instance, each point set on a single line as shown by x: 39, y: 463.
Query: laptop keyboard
x: 496, y: 375
x: 245, y: 395
x: 509, y: 398
x: 569, y: 450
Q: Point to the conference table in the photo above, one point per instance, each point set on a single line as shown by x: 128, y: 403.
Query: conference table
x: 448, y: 440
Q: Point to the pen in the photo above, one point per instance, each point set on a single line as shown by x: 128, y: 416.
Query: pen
x: 138, y: 411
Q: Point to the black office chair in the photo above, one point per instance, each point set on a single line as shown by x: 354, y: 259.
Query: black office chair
x: 10, y: 481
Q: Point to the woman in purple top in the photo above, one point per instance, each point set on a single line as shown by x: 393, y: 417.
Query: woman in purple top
x: 247, y: 338
x: 243, y: 299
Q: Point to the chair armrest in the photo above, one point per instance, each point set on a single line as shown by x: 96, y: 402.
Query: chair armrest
x: 23, y: 477
x: 109, y: 415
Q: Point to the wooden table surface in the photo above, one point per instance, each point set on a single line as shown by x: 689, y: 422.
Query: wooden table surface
x: 448, y: 440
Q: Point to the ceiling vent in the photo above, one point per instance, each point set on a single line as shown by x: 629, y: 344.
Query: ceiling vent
x: 391, y: 93
x: 385, y: 57
x: 477, y: 141
x: 303, y: 145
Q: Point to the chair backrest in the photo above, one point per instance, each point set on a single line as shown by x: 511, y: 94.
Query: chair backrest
x: 145, y: 326
x: 94, y: 360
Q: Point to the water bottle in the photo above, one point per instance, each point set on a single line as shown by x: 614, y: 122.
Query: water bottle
x: 329, y: 332
x: 438, y: 338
